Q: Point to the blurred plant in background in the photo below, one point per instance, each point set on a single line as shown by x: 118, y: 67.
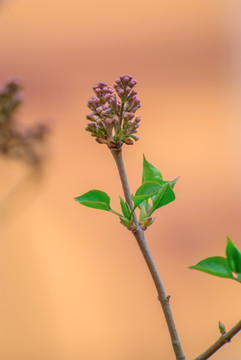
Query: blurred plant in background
x: 25, y: 145
x: 16, y: 143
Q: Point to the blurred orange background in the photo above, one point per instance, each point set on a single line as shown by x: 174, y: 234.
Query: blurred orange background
x: 73, y: 282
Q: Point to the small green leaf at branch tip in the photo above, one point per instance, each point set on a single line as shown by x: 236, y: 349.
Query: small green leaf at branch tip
x: 95, y: 199
x: 233, y: 256
x: 222, y: 328
x: 216, y: 265
x: 125, y: 209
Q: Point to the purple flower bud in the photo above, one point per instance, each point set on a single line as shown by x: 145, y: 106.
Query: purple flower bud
x: 121, y: 92
x: 108, y: 121
x: 112, y: 100
x: 126, y: 79
x: 133, y: 93
x: 107, y: 97
x: 100, y: 140
x: 128, y: 141
x: 99, y: 109
x: 102, y: 84
x: 136, y: 100
x: 116, y: 120
x: 128, y: 115
x: 106, y: 112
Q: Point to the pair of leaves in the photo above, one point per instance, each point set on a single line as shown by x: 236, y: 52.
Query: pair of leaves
x: 221, y: 266
x: 160, y: 194
x: 153, y: 187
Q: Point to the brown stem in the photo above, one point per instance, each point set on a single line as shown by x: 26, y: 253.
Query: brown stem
x: 224, y: 339
x: 139, y: 235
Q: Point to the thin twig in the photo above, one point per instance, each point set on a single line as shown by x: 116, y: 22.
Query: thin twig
x: 139, y: 235
x: 224, y: 339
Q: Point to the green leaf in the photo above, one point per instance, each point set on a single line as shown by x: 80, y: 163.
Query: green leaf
x: 215, y: 265
x: 172, y: 183
x: 150, y: 173
x: 124, y: 208
x: 95, y: 199
x: 239, y: 277
x: 156, y: 198
x: 163, y: 197
x: 221, y: 327
x: 233, y: 256
x: 145, y: 191
x: 143, y: 213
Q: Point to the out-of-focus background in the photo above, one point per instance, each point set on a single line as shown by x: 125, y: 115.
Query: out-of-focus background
x: 73, y: 283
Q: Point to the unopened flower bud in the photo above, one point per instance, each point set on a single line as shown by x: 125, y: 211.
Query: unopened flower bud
x: 107, y: 97
x: 133, y: 93
x: 116, y: 120
x: 97, y: 91
x: 108, y: 121
x: 133, y: 83
x: 128, y: 141
x: 99, y: 109
x: 121, y: 91
x: 101, y: 140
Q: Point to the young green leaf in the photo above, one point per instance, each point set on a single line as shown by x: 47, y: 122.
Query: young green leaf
x: 239, y: 277
x: 163, y: 197
x: 172, y: 183
x: 150, y: 173
x: 145, y: 191
x: 95, y: 199
x: 124, y: 208
x: 233, y: 256
x: 221, y: 328
x: 143, y: 213
x: 215, y: 265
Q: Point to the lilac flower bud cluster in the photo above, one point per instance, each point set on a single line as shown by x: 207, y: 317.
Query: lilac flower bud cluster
x: 112, y: 120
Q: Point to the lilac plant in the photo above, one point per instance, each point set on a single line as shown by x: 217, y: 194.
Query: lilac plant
x: 113, y: 122
x: 16, y: 143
